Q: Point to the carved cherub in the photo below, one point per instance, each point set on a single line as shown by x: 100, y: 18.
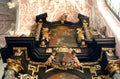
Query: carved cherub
x: 109, y: 52
x: 83, y: 44
x: 18, y: 52
x: 75, y: 60
x: 51, y: 58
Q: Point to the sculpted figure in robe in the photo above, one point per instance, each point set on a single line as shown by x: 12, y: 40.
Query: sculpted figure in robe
x: 80, y: 35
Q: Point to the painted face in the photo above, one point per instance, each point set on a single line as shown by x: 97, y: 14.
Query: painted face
x: 19, y: 50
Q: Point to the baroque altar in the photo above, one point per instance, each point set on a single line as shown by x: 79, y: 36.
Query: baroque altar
x: 61, y: 46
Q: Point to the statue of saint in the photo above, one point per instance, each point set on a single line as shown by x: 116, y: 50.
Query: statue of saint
x: 80, y: 35
x: 86, y: 30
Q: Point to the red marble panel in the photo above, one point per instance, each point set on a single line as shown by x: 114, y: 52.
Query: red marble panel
x: 27, y: 15
x: 54, y: 10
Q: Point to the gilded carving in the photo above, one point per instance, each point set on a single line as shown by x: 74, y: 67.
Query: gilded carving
x: 113, y: 65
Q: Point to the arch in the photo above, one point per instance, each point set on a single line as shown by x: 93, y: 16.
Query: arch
x: 78, y: 74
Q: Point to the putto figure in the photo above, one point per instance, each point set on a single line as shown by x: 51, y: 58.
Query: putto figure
x: 75, y: 60
x: 18, y: 52
x: 51, y: 59
x: 67, y: 60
